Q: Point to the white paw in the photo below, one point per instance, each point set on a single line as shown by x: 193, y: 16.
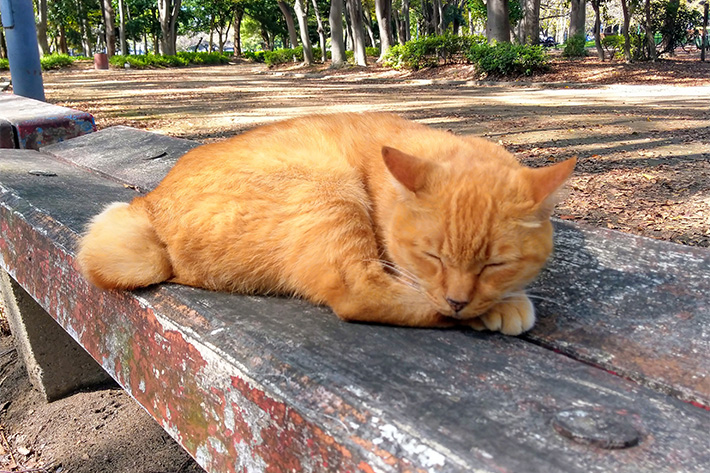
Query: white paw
x: 510, y: 317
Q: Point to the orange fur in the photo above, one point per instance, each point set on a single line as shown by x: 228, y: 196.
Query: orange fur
x: 383, y: 219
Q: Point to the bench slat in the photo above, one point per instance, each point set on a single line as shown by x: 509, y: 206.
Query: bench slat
x: 631, y: 305
x: 253, y: 382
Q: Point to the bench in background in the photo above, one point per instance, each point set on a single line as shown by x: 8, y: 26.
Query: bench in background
x: 29, y: 124
x: 618, y: 358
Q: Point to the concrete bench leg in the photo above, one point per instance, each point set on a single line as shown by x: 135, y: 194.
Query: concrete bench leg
x: 56, y: 364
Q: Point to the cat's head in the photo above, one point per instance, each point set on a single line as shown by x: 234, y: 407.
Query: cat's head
x: 471, y: 235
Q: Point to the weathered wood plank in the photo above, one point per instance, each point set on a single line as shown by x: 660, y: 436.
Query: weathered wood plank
x: 38, y: 123
x: 255, y: 383
x: 631, y: 305
x: 128, y: 155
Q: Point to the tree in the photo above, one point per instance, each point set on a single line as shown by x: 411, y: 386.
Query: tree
x: 383, y: 11
x: 596, y: 5
x: 337, y: 45
x: 41, y: 7
x: 286, y: 11
x: 402, y: 21
x: 168, y: 11
x: 301, y: 14
x: 109, y: 18
x: 354, y: 8
x: 3, y: 45
x: 321, y: 30
x: 269, y: 18
x: 530, y: 22
x: 122, y: 43
x: 626, y: 6
x: 648, y: 26
x: 237, y: 30
x: 577, y: 18
x: 84, y: 29
x: 498, y: 26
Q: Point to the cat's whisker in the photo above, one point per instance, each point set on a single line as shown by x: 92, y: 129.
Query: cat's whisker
x: 403, y: 273
x: 408, y: 283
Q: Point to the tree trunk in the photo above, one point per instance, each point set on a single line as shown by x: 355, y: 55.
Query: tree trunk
x: 122, y: 28
x: 321, y: 30
x: 109, y: 16
x: 168, y: 12
x: 368, y: 27
x: 650, y: 41
x: 62, y: 42
x: 42, y: 27
x: 84, y: 30
x: 237, y: 37
x: 3, y: 45
x: 530, y: 23
x: 302, y: 16
x: 210, y: 44
x: 577, y: 18
x: 337, y: 45
x: 597, y: 29
x: 288, y: 16
x: 669, y: 43
x: 435, y: 16
x: 383, y: 11
x: 498, y: 27
x: 404, y: 25
x: 627, y: 21
x: 355, y: 11
x: 440, y: 7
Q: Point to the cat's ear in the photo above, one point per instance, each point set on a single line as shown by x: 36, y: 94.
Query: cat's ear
x: 546, y: 181
x: 412, y: 172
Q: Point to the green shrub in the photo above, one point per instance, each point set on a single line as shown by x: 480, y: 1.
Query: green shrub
x: 372, y: 52
x: 282, y: 56
x: 507, y: 59
x: 575, y: 46
x: 4, y: 64
x: 204, y: 58
x: 256, y: 56
x: 430, y: 51
x: 504, y: 59
x: 614, y: 44
x: 55, y: 61
x: 182, y: 59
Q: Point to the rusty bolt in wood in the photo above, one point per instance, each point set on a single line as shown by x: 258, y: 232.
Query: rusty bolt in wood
x: 601, y: 428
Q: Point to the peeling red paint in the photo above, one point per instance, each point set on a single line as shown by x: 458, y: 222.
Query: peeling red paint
x: 167, y: 373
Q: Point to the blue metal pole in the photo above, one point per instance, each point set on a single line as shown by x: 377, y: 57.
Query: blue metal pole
x: 18, y: 19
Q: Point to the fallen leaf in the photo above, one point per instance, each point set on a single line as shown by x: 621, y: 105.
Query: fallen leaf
x: 24, y: 451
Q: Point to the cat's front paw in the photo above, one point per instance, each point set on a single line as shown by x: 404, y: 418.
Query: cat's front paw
x: 513, y: 316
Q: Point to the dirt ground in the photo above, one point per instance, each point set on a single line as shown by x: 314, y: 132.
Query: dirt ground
x: 641, y: 133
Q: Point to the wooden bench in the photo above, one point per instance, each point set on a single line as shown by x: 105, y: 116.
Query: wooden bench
x: 614, y: 377
x: 28, y: 124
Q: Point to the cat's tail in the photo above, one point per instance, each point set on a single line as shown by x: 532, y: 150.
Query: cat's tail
x: 121, y: 250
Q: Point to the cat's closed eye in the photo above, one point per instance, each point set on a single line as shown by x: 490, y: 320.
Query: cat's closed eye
x: 496, y: 264
x: 432, y: 256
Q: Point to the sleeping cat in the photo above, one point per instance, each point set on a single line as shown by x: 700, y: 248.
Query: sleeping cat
x: 382, y: 219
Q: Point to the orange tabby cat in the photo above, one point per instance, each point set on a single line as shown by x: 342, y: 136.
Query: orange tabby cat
x: 383, y: 219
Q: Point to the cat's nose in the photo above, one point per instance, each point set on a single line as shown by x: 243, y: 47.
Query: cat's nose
x: 457, y: 305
